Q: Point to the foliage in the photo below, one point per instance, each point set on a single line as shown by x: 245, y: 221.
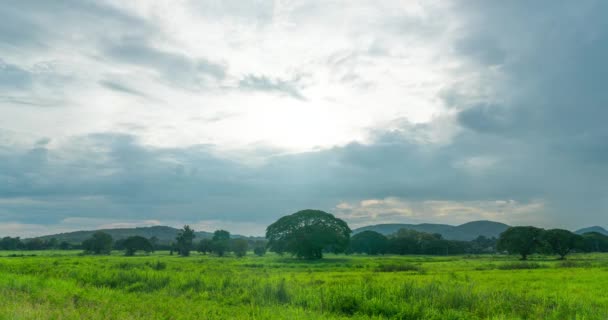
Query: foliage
x: 220, y: 243
x: 259, y: 248
x: 137, y: 243
x: 595, y: 242
x: 239, y: 247
x: 369, y: 242
x: 99, y: 243
x: 184, y: 241
x: 307, y: 233
x: 521, y: 240
x: 62, y: 285
x: 562, y: 242
x: 205, y: 246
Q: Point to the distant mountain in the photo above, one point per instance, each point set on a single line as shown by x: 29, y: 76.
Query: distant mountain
x: 597, y: 229
x: 467, y: 231
x: 164, y: 234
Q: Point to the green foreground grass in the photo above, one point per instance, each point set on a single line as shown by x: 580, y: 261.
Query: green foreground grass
x: 62, y: 285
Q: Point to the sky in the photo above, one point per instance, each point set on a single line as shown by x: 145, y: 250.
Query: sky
x: 230, y: 114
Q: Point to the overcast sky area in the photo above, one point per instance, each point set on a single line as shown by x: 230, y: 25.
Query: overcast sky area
x: 231, y: 113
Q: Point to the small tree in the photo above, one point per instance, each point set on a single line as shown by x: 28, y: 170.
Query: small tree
x: 99, y: 243
x: 205, y: 246
x: 370, y: 242
x: 239, y: 247
x: 137, y: 243
x: 522, y: 240
x: 184, y: 241
x: 259, y: 248
x: 307, y: 233
x: 562, y: 242
x: 220, y: 242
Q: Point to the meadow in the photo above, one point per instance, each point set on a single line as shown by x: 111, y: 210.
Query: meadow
x: 65, y: 285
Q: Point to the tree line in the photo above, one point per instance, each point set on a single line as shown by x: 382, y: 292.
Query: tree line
x: 308, y: 234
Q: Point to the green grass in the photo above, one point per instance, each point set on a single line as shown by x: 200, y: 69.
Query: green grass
x: 64, y: 285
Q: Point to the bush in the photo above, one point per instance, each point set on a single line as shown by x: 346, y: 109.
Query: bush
x: 398, y: 267
x: 520, y: 265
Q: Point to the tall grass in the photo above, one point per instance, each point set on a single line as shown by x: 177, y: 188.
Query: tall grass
x: 271, y: 287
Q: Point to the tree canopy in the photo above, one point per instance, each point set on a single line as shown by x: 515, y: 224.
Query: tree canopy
x: 369, y: 242
x: 137, y: 243
x: 99, y: 243
x: 562, y: 242
x: 220, y: 242
x: 184, y: 241
x: 307, y: 233
x: 522, y: 240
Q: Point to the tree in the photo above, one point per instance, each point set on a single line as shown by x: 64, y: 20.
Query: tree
x: 137, y: 243
x: 259, y: 248
x: 205, y: 246
x: 99, y: 243
x: 64, y: 245
x: 184, y: 241
x: 522, y: 240
x: 8, y: 243
x: 239, y: 247
x: 306, y: 233
x: 369, y: 242
x: 562, y: 241
x: 220, y: 243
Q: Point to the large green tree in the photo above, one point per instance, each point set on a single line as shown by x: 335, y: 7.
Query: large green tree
x: 184, y: 241
x: 522, y: 240
x: 306, y: 233
x: 99, y: 243
x: 370, y: 242
x: 562, y: 241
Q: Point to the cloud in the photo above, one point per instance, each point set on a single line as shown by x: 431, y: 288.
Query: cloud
x: 263, y: 83
x: 437, y: 111
x: 13, y: 77
x: 174, y: 67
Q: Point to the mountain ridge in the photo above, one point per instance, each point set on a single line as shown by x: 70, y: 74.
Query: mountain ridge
x: 597, y: 229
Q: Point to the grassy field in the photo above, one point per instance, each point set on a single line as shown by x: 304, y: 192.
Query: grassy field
x: 62, y: 285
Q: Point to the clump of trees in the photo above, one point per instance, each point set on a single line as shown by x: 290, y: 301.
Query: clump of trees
x: 407, y: 241
x: 308, y: 233
x: 528, y: 240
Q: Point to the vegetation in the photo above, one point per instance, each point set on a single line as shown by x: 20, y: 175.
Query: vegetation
x: 63, y: 285
x: 369, y: 242
x: 184, y: 241
x: 220, y: 243
x: 307, y: 233
x: 562, y: 242
x: 137, y: 243
x: 521, y: 240
x: 99, y: 243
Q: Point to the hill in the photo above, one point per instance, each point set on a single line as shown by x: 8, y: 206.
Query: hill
x: 164, y: 234
x: 597, y: 229
x: 465, y: 232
